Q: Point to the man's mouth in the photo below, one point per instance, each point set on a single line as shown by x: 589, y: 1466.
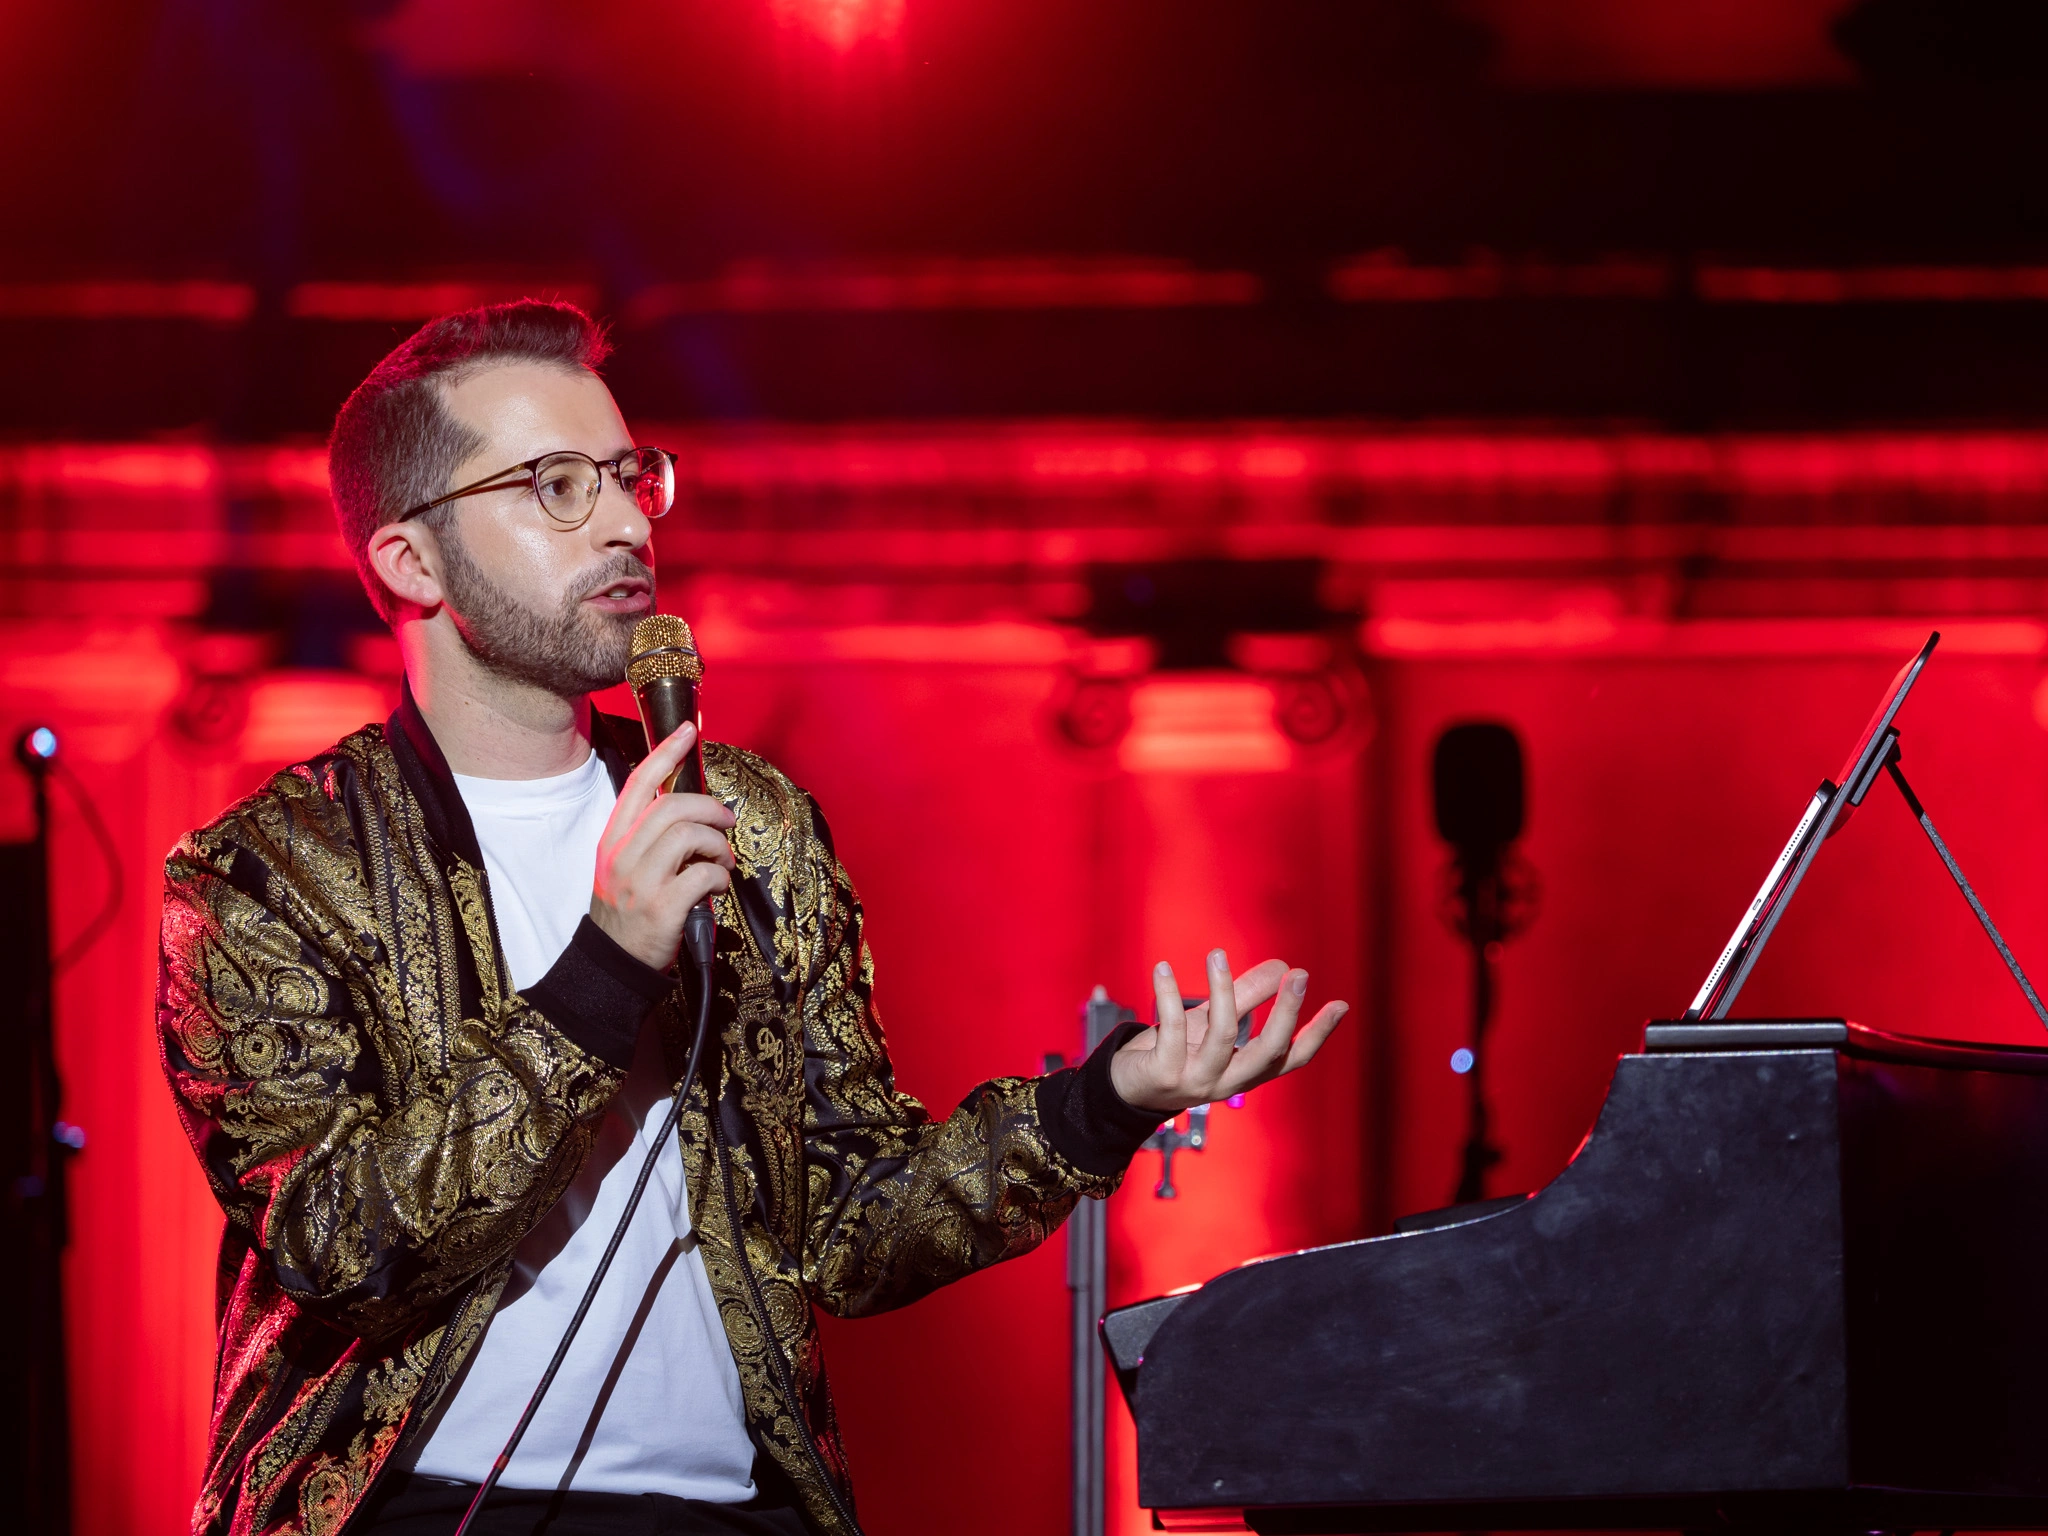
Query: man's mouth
x: 629, y: 594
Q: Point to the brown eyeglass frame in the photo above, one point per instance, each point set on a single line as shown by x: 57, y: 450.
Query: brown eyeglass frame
x: 531, y: 469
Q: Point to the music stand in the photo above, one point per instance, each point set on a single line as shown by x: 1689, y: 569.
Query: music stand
x: 1876, y: 750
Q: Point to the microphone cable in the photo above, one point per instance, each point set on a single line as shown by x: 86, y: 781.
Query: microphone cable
x: 110, y: 860
x: 699, y: 937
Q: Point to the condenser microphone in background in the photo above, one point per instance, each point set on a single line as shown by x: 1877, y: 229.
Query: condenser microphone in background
x: 1477, y: 782
x: 663, y: 669
x: 1478, y: 785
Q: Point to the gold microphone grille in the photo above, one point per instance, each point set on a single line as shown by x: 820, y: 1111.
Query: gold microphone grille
x: 663, y: 647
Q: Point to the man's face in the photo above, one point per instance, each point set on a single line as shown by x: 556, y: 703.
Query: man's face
x: 535, y: 603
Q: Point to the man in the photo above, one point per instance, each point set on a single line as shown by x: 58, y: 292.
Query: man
x: 418, y: 1012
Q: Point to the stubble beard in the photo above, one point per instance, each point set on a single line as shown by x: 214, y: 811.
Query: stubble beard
x: 571, y: 652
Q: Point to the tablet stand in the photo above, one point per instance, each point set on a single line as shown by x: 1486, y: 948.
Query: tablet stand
x: 1890, y: 759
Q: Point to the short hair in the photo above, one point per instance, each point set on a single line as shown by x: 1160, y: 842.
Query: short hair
x: 395, y: 443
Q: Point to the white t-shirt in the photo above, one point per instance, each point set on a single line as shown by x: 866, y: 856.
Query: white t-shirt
x: 648, y: 1400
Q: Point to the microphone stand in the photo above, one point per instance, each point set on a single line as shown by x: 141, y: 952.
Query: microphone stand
x: 35, y: 1426
x: 1493, y: 898
x: 1480, y: 918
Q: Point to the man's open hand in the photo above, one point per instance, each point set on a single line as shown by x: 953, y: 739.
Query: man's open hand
x: 659, y: 856
x: 1192, y: 1056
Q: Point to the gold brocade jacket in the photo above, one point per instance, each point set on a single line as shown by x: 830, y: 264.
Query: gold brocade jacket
x: 383, y: 1118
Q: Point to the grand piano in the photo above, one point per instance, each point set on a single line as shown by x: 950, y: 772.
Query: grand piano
x: 1796, y: 1278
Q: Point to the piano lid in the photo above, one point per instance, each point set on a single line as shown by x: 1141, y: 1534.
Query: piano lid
x: 1664, y: 1037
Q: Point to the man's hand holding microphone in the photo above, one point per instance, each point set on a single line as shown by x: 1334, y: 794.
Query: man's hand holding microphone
x: 659, y: 856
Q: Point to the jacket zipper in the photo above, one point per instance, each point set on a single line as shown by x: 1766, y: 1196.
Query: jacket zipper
x: 412, y: 1422
x: 776, y: 1358
x: 469, y: 1291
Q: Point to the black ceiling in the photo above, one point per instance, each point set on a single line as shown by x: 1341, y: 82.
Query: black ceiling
x: 624, y: 142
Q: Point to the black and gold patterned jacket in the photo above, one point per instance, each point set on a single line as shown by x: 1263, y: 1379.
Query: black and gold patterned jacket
x: 383, y: 1118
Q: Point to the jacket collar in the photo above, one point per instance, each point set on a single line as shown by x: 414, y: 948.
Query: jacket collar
x: 619, y: 743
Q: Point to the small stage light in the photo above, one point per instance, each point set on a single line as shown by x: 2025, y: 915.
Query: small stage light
x: 1461, y: 1061
x: 36, y: 747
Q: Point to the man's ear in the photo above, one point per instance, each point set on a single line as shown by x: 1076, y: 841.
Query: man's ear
x: 407, y: 559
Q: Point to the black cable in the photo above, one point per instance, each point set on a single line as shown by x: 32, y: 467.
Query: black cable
x: 697, y: 937
x: 109, y: 855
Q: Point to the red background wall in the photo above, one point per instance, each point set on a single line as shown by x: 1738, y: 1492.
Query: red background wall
x: 1007, y: 871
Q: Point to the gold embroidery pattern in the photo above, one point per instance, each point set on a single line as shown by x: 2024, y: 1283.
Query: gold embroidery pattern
x: 383, y: 1120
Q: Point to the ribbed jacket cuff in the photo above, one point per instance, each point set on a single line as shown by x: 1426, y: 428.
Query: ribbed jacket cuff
x: 1086, y: 1120
x: 598, y: 995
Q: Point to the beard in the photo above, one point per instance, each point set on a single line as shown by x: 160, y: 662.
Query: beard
x: 569, y: 652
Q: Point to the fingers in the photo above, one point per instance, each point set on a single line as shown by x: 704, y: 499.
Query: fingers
x: 1221, y: 1040
x: 682, y: 815
x: 679, y: 838
x: 1247, y: 992
x: 1269, y: 1047
x: 627, y: 833
x: 1171, y: 1047
x: 645, y: 781
x: 1310, y: 1040
x: 698, y: 882
x: 712, y: 812
x: 1263, y: 1057
x: 687, y: 842
x: 659, y: 856
x: 1283, y: 1045
x: 1213, y: 1036
x: 1194, y: 1058
x: 1256, y: 985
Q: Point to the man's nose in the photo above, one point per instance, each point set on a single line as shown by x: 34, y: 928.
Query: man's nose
x: 617, y: 521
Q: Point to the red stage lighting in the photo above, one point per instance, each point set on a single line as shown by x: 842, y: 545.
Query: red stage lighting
x: 843, y: 23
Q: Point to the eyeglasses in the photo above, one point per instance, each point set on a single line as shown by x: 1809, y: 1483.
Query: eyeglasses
x: 567, y: 484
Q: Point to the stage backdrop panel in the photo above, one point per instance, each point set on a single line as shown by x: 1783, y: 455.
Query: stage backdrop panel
x: 898, y: 620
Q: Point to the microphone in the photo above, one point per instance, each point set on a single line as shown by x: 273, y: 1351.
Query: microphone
x: 663, y: 669
x: 1477, y: 779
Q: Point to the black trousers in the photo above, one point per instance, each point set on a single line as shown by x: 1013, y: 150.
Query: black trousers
x: 433, y: 1506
